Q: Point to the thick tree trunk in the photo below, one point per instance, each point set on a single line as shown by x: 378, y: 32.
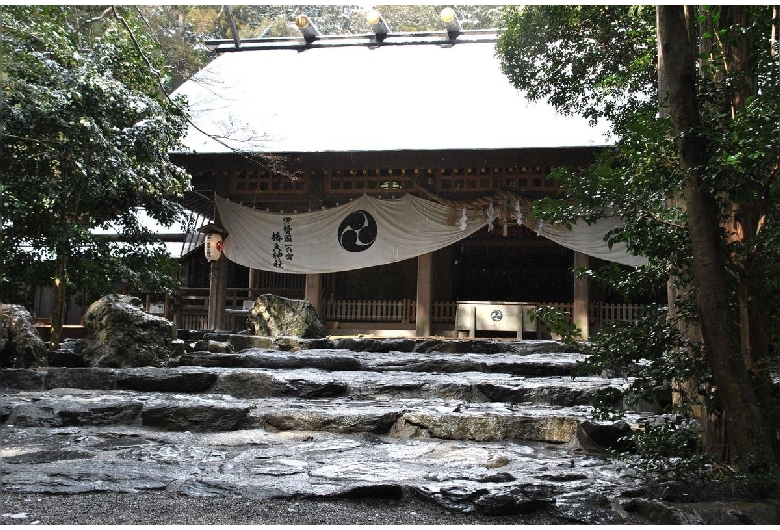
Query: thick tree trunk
x: 748, y: 216
x: 675, y: 292
x: 750, y: 429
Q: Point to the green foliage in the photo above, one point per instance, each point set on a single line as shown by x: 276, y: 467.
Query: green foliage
x: 669, y: 450
x: 178, y: 33
x: 596, y: 61
x: 103, y: 268
x: 558, y: 322
x: 634, y: 181
x: 657, y: 358
x: 650, y: 350
x: 754, y: 478
x: 601, y: 62
x: 86, y: 134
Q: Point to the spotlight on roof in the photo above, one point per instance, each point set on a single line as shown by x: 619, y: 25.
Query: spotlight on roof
x: 307, y: 27
x: 378, y: 24
x: 451, y: 22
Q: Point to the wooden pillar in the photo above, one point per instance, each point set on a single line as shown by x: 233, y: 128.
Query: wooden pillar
x: 312, y: 291
x: 217, y: 293
x: 581, y: 296
x: 252, y: 281
x: 424, y: 292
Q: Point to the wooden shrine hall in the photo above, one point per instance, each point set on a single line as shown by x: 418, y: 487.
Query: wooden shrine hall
x: 419, y: 135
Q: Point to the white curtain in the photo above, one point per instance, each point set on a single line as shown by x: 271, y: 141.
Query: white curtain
x: 362, y: 233
x: 589, y: 239
x: 367, y: 232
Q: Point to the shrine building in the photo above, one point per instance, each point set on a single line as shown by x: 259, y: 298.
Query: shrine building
x: 387, y: 178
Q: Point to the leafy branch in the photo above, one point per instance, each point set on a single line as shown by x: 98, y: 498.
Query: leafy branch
x: 267, y: 160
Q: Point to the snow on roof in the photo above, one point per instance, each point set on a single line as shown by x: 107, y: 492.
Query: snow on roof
x: 370, y: 98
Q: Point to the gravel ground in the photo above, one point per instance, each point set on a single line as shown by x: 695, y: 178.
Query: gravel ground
x: 174, y: 509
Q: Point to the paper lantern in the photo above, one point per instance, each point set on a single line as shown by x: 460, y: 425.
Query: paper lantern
x: 213, y: 247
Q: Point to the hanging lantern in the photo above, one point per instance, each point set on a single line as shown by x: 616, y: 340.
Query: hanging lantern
x: 213, y: 247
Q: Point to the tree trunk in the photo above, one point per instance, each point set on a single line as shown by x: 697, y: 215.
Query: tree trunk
x: 60, y: 291
x: 750, y: 430
x: 676, y: 292
x: 745, y: 224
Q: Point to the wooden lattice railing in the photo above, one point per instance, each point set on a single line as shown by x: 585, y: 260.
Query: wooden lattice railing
x: 191, y: 310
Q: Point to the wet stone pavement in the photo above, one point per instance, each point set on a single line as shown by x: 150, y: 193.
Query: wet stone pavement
x: 493, y: 434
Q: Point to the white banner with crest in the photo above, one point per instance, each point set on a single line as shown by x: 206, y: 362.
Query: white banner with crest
x: 368, y: 232
x: 363, y: 233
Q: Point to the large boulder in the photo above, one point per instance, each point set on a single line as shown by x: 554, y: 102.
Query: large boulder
x: 275, y: 316
x: 121, y: 335
x: 20, y: 344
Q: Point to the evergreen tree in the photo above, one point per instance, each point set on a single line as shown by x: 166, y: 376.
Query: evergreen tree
x: 693, y: 95
x: 86, y: 129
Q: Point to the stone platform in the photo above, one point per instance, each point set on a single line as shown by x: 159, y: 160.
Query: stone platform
x: 497, y: 430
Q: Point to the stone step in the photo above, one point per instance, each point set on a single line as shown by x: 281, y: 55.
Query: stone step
x: 523, y: 391
x: 545, y: 358
x: 474, y: 425
x: 241, y: 342
x: 527, y: 364
x: 437, y: 418
x: 315, y: 383
x: 420, y: 418
x: 468, y: 476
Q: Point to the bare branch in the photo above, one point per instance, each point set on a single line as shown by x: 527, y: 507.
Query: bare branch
x: 265, y: 158
x: 94, y: 19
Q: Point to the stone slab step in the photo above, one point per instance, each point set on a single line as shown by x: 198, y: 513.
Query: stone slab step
x: 242, y: 341
x: 275, y: 359
x: 415, y: 418
x: 437, y: 418
x: 489, y: 477
x: 314, y: 383
x: 525, y: 364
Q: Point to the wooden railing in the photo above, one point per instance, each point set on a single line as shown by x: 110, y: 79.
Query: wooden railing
x: 403, y: 311
x: 612, y: 312
x: 192, y: 320
x: 600, y: 313
x: 369, y: 310
x: 190, y: 309
x: 444, y: 311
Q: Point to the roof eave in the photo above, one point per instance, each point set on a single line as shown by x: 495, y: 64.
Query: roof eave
x: 440, y: 38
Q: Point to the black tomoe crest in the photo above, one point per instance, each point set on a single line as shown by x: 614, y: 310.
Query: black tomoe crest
x: 357, y: 232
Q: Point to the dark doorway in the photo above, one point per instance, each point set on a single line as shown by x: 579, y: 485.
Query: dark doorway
x: 496, y: 269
